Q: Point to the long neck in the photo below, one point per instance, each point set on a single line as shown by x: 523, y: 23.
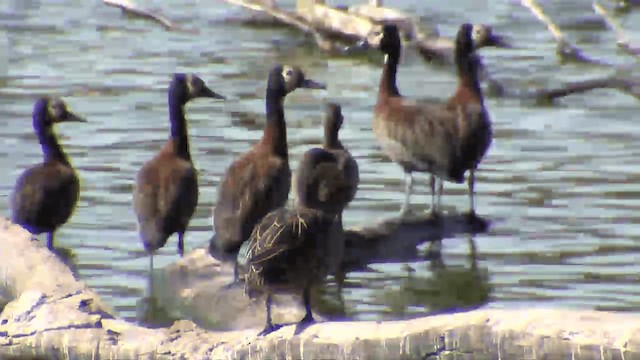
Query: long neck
x: 51, y: 149
x: 275, y: 131
x: 179, y: 128
x: 388, y: 80
x: 331, y: 138
x: 468, y: 67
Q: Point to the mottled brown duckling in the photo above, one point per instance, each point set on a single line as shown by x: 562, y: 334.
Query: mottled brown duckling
x: 166, y: 189
x: 260, y: 180
x: 345, y: 162
x: 46, y: 194
x: 293, y: 251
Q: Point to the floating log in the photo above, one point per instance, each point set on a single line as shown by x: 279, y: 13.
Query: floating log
x: 332, y: 26
x: 54, y: 315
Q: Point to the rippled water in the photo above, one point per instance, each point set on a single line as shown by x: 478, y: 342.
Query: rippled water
x: 560, y: 183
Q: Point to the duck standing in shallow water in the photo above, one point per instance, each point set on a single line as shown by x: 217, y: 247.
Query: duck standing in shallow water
x: 293, y: 251
x: 166, y: 189
x: 260, y: 180
x: 428, y: 136
x: 46, y: 194
x: 474, y: 130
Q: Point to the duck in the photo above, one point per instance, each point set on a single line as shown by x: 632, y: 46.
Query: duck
x: 474, y: 131
x: 442, y: 49
x: 337, y: 198
x: 431, y: 136
x: 345, y: 162
x: 165, y: 195
x: 259, y: 180
x: 292, y: 251
x: 45, y: 195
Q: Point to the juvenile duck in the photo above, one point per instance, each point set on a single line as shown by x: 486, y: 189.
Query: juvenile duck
x: 293, y: 251
x: 259, y: 181
x: 346, y: 165
x: 46, y: 194
x: 166, y: 189
x: 431, y: 136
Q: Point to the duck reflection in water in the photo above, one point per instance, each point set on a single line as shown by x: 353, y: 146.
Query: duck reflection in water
x: 448, y: 289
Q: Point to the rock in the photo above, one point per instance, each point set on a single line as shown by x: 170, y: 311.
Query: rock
x: 53, y: 315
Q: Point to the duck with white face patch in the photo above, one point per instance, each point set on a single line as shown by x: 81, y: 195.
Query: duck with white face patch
x: 260, y: 179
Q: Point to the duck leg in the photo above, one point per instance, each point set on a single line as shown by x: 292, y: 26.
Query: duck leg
x: 181, y: 243
x: 408, y: 183
x: 269, y: 327
x: 308, y: 317
x: 435, y: 208
x: 50, y: 238
x: 236, y: 277
x: 440, y: 193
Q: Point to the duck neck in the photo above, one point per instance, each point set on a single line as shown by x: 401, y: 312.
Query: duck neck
x: 275, y: 131
x: 51, y: 149
x: 331, y: 138
x: 468, y: 75
x: 388, y: 80
x: 179, y: 128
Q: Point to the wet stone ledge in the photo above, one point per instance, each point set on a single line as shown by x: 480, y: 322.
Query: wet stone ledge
x: 53, y: 314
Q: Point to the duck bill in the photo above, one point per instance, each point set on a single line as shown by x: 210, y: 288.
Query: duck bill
x: 312, y: 84
x: 499, y: 42
x: 71, y: 117
x: 206, y: 92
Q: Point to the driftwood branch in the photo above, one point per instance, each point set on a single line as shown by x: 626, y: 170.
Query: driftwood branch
x: 54, y: 315
x: 565, y: 50
x: 628, y: 85
x: 132, y: 9
x: 622, y: 40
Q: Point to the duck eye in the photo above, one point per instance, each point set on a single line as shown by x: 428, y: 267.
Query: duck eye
x: 289, y: 72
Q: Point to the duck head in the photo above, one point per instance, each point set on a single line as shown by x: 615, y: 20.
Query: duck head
x: 483, y: 36
x: 186, y: 87
x: 284, y: 79
x: 49, y: 111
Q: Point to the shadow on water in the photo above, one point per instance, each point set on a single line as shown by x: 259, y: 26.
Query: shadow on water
x: 449, y: 288
x: 397, y: 240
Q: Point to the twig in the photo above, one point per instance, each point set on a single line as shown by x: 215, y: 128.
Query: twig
x: 565, y: 49
x: 621, y: 37
x: 133, y: 9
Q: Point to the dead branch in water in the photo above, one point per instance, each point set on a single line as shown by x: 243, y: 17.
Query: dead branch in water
x: 628, y: 86
x: 565, y: 49
x: 622, y: 40
x: 132, y: 9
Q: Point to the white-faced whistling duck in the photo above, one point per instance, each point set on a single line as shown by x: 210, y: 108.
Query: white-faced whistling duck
x: 339, y: 196
x: 260, y: 180
x: 434, y: 137
x: 340, y: 193
x: 293, y: 251
x: 474, y: 130
x: 166, y: 190
x: 46, y: 194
